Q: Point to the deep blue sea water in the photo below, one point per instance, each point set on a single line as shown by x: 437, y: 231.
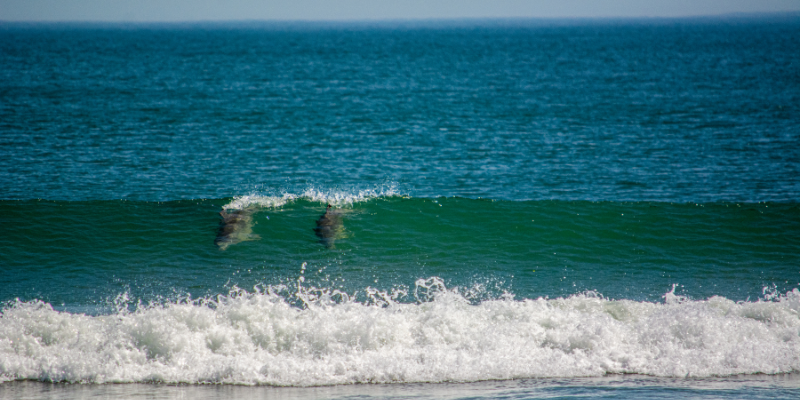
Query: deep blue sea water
x: 518, y: 209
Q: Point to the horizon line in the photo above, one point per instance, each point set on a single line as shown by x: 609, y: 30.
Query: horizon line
x: 733, y: 15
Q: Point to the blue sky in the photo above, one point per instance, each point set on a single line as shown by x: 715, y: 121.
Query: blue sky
x: 222, y: 10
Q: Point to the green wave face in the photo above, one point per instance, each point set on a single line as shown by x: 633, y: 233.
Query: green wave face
x: 84, y: 253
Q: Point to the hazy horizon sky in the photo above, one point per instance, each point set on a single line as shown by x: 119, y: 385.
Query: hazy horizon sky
x: 340, y: 10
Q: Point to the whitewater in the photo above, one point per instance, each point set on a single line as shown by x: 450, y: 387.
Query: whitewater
x: 307, y: 336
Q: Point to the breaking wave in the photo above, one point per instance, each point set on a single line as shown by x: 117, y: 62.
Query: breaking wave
x: 299, y: 336
x: 337, y: 197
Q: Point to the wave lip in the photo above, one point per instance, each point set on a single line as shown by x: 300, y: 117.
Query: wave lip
x: 337, y: 197
x: 264, y: 337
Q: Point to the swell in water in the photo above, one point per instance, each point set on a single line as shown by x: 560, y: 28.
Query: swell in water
x: 417, y: 290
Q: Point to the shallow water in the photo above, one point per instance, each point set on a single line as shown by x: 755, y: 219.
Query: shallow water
x: 613, y: 387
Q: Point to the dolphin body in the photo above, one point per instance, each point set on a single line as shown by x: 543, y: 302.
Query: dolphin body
x: 236, y: 227
x: 329, y: 227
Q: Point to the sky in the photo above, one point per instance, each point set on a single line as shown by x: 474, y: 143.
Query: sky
x: 338, y: 10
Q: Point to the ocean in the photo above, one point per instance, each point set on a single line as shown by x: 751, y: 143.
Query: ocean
x: 409, y: 209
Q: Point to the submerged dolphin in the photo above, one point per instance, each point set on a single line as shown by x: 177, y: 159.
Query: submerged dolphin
x: 329, y: 227
x: 236, y: 226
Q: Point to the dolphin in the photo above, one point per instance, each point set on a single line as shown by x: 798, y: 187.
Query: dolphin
x: 329, y: 227
x: 236, y: 226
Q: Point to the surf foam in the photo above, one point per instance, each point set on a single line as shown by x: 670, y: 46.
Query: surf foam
x: 308, y: 336
x: 337, y: 197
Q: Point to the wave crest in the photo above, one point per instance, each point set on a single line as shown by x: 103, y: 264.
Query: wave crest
x: 338, y: 197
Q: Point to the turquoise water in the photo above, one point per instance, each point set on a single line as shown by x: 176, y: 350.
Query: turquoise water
x: 657, y: 111
x: 560, y: 208
x: 98, y: 249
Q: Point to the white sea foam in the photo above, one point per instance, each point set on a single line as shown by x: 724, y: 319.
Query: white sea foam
x: 307, y: 336
x: 254, y: 200
x: 337, y: 197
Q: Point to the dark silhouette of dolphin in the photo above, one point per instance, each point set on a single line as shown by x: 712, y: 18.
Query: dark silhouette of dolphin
x: 236, y: 226
x: 329, y: 227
